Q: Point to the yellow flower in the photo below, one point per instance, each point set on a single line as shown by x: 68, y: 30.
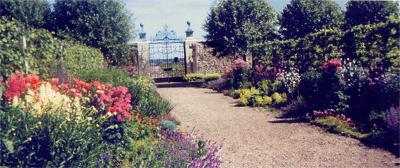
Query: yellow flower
x: 48, y: 101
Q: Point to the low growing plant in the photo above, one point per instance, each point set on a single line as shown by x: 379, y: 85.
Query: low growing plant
x: 297, y: 108
x: 246, y: 94
x: 279, y: 98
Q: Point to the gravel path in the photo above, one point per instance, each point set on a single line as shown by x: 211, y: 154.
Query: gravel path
x: 252, y: 137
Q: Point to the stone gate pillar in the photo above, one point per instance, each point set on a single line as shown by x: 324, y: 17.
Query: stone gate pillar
x: 143, y: 58
x: 190, y: 52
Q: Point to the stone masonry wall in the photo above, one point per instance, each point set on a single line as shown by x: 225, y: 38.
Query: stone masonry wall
x: 204, y: 61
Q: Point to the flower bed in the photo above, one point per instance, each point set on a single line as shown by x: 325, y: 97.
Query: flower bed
x: 84, y: 124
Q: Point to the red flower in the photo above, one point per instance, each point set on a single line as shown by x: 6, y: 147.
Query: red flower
x: 96, y: 83
x: 332, y: 64
x: 16, y: 85
x: 54, y: 81
x: 33, y: 80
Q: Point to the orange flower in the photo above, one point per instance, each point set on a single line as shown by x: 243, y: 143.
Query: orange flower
x: 112, y: 109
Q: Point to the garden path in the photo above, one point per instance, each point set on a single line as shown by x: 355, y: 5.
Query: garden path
x: 254, y: 137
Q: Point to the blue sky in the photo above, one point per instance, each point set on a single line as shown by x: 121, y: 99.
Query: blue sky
x: 154, y: 14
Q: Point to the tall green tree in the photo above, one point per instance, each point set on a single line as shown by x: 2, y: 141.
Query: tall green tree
x: 234, y: 26
x: 369, y: 12
x: 103, y: 24
x: 301, y: 17
x: 30, y: 13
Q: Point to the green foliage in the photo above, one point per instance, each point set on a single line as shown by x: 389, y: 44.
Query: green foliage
x: 318, y: 47
x: 275, y: 51
x: 375, y: 43
x: 301, y: 17
x: 264, y: 86
x: 200, y: 77
x: 145, y: 98
x: 246, y: 94
x: 279, y: 98
x: 147, y: 153
x: 42, y: 51
x: 194, y: 77
x: 304, y: 53
x: 338, y: 126
x: 48, y: 140
x: 102, y: 24
x: 33, y: 13
x: 262, y: 101
x: 368, y: 43
x: 77, y: 57
x: 369, y: 12
x: 296, y: 109
x: 276, y: 86
x: 235, y: 93
x: 168, y: 125
x: 234, y: 26
x: 112, y: 76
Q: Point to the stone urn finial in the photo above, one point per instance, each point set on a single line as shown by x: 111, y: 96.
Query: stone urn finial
x: 189, y: 31
x: 142, y: 34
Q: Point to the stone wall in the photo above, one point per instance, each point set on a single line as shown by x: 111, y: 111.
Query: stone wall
x: 204, y: 61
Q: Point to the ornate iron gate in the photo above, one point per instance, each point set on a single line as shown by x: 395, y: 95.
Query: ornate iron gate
x: 167, y: 56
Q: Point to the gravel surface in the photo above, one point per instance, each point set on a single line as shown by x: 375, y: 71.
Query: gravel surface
x: 254, y: 137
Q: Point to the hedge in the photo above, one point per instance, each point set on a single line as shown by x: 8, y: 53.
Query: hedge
x: 42, y: 51
x: 373, y: 43
x: 367, y: 43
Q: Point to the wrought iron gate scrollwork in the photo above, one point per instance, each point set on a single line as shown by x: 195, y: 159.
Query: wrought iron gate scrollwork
x: 167, y: 55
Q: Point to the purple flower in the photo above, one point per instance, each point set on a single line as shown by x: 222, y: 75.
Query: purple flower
x: 185, y: 150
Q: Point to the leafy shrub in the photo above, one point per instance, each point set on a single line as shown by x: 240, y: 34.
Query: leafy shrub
x: 279, y: 98
x: 77, y: 57
x: 113, y: 76
x: 146, y: 100
x: 375, y: 43
x: 278, y: 51
x: 392, y: 121
x: 168, y: 125
x: 332, y: 88
x: 219, y: 85
x: 199, y: 77
x: 276, y: 86
x: 211, y: 77
x: 28, y: 13
x: 48, y: 140
x: 246, y: 94
x: 263, y: 100
x: 194, y: 77
x: 366, y: 43
x: 42, y: 51
x: 238, y: 74
x: 235, y: 93
x: 100, y: 24
x: 264, y: 86
x: 153, y: 106
x: 309, y: 88
x: 319, y: 47
x: 337, y: 125
x: 296, y: 108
